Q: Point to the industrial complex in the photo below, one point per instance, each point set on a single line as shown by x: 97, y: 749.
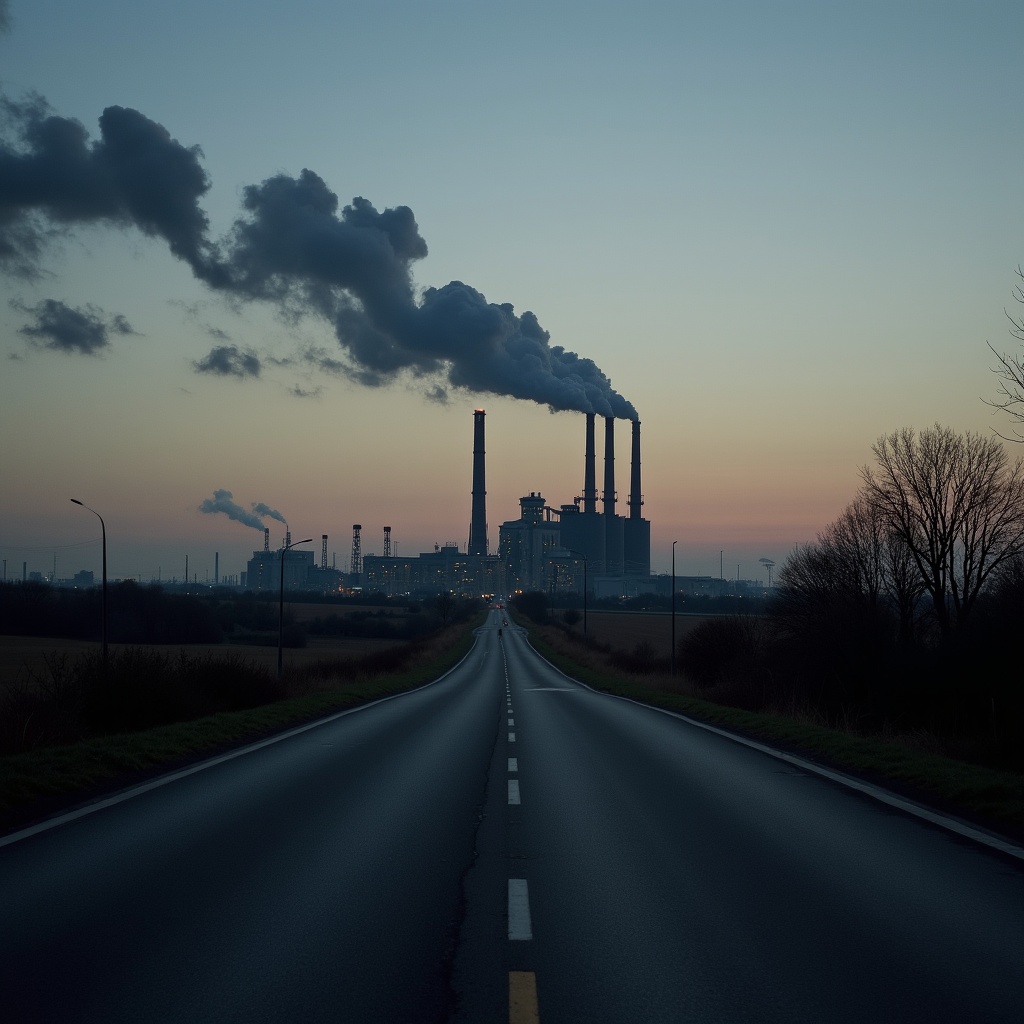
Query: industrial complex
x: 563, y: 548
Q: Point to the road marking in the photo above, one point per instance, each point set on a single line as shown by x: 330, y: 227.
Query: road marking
x: 522, y: 998
x: 519, y: 927
x: 513, y: 764
x: 511, y: 737
x: 513, y: 791
x: 511, y: 722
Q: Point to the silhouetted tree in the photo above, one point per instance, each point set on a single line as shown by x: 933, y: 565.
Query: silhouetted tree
x: 1011, y: 369
x: 957, y: 504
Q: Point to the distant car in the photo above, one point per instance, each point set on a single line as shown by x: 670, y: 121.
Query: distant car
x: 504, y: 622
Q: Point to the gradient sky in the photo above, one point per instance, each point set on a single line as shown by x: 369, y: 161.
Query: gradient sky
x: 781, y: 229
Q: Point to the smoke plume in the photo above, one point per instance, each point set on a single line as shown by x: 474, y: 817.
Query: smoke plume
x: 222, y: 502
x: 291, y: 247
x: 266, y: 512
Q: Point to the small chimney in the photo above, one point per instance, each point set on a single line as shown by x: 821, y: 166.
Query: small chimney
x: 590, y: 469
x: 609, y: 465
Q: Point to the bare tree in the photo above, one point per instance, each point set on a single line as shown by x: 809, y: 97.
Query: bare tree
x: 956, y: 503
x: 1011, y: 369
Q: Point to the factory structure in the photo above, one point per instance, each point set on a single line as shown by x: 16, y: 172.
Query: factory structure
x: 563, y: 548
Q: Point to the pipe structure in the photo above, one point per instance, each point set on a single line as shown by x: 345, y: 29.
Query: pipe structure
x: 635, y: 497
x: 609, y: 466
x: 478, y: 520
x: 590, y: 469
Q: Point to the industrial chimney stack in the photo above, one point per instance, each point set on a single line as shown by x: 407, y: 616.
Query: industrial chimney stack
x: 609, y: 466
x: 635, y: 497
x: 590, y: 470
x: 266, y: 538
x: 478, y: 522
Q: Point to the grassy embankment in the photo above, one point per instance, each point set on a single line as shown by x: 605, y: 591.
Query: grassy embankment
x: 39, y: 782
x: 986, y: 796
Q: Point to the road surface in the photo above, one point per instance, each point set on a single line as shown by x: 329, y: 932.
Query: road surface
x: 505, y: 845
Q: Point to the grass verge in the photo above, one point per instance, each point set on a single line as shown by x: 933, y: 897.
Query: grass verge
x: 39, y: 783
x: 987, y: 797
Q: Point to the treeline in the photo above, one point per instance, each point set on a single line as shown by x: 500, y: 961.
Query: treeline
x: 904, y: 615
x: 141, y: 614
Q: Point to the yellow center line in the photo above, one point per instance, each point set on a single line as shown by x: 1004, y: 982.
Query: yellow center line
x: 522, y: 998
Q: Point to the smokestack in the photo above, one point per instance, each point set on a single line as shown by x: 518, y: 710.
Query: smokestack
x: 609, y: 465
x: 266, y: 538
x: 323, y: 551
x: 478, y: 522
x: 636, y: 499
x: 590, y: 469
x: 216, y: 568
x: 287, y: 538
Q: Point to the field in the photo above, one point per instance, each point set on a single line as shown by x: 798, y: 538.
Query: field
x: 624, y: 630
x: 20, y: 655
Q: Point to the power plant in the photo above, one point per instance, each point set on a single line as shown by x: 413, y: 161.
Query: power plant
x: 548, y: 548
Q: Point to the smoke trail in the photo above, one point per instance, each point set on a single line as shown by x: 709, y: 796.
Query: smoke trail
x: 222, y: 502
x: 266, y: 512
x: 291, y: 247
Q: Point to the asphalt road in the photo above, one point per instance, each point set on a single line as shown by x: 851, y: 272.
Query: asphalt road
x: 505, y: 845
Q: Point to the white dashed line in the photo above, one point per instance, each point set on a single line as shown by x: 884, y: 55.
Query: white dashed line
x: 513, y: 764
x: 513, y: 791
x: 511, y: 722
x: 511, y: 737
x: 519, y: 926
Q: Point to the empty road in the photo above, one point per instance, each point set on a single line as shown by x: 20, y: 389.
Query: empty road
x: 505, y: 845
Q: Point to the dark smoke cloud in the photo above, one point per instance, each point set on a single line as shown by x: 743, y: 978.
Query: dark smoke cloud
x: 222, y: 502
x: 291, y: 247
x: 52, y: 177
x: 66, y: 328
x: 229, y: 361
x: 266, y: 512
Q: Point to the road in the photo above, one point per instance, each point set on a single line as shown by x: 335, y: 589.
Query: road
x: 505, y: 845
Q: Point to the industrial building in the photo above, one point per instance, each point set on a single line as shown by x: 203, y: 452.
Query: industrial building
x: 554, y: 549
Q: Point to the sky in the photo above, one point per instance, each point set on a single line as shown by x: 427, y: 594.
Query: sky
x: 289, y: 248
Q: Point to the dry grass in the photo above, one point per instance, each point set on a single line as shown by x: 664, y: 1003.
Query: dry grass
x: 22, y: 657
x: 624, y: 630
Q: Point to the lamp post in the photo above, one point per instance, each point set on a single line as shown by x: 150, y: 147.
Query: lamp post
x: 579, y: 554
x: 280, y: 608
x: 103, y: 534
x: 672, y: 659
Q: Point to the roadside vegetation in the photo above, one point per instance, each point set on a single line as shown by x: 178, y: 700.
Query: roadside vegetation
x: 75, y: 727
x: 748, y: 674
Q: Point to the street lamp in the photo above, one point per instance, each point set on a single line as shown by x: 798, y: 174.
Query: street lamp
x: 280, y: 608
x: 103, y: 532
x: 672, y: 659
x: 579, y: 554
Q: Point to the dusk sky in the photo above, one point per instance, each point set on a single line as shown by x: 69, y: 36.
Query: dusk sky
x: 779, y: 229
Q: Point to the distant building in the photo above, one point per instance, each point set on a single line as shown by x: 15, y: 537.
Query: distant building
x: 84, y: 578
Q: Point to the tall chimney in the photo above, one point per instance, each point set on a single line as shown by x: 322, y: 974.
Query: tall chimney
x: 478, y: 522
x: 609, y: 465
x: 590, y: 470
x: 216, y: 568
x: 287, y: 538
x: 636, y: 499
x: 266, y: 538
